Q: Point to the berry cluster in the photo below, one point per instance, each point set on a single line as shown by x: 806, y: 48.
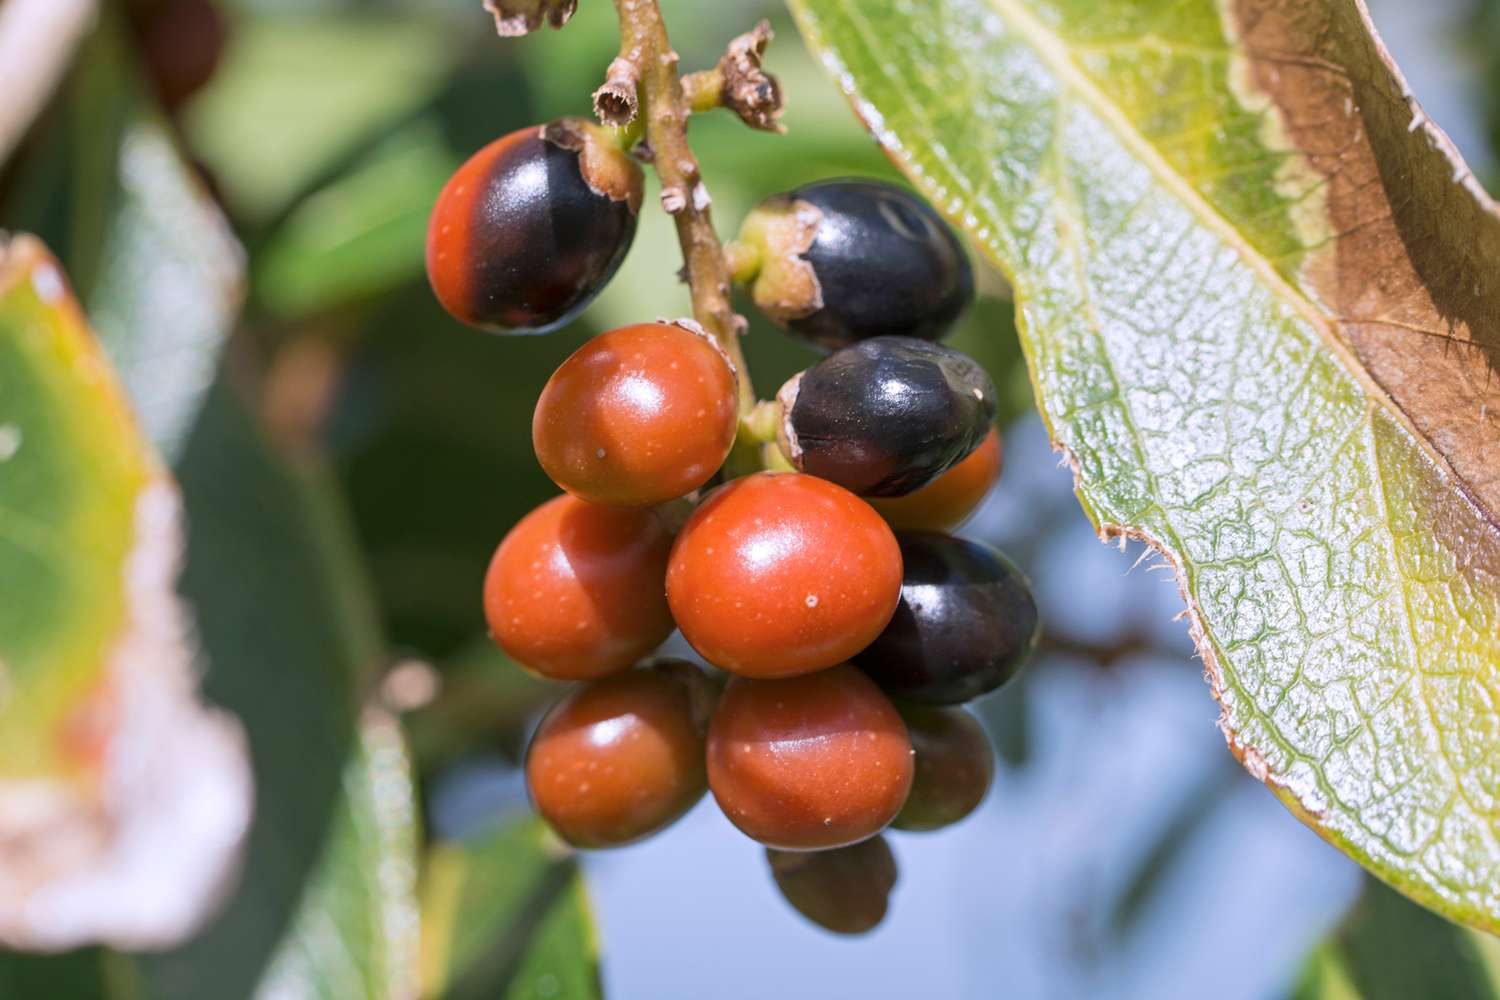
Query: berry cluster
x: 818, y: 577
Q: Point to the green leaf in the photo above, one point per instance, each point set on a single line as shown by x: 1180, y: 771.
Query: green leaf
x: 296, y: 93
x: 1259, y: 301
x: 507, y: 915
x: 292, y: 645
x: 112, y: 775
x: 147, y: 246
x: 1389, y: 949
x: 355, y: 934
x: 362, y: 233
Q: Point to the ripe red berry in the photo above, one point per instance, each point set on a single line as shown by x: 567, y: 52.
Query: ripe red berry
x: 778, y: 574
x: 845, y: 890
x: 805, y: 763
x: 639, y: 415
x: 954, y: 767
x: 576, y: 590
x: 532, y: 227
x: 620, y: 758
x: 947, y: 501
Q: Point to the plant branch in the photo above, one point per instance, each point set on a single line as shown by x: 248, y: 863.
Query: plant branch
x: 644, y: 42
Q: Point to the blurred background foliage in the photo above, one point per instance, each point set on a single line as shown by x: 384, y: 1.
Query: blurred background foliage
x: 350, y: 457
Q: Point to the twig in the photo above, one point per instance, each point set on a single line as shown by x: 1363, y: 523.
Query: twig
x: 37, y: 39
x: 643, y: 35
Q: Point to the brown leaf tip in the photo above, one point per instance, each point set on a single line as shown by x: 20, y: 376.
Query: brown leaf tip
x: 514, y: 18
x: 749, y: 91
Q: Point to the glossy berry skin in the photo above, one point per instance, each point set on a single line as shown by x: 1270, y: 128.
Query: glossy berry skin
x: 955, y: 766
x: 948, y: 500
x: 886, y: 264
x: 519, y: 239
x: 887, y: 416
x: 778, y: 574
x: 576, y: 592
x: 639, y: 415
x: 845, y: 890
x: 620, y: 758
x: 966, y: 624
x: 808, y: 763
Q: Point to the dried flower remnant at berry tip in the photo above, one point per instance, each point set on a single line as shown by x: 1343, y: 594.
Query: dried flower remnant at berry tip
x: 514, y: 18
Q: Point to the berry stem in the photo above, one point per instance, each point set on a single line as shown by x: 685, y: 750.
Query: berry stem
x: 643, y: 40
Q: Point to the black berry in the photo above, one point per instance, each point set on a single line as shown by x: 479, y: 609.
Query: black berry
x: 532, y: 227
x: 965, y: 625
x: 882, y: 263
x: 886, y: 416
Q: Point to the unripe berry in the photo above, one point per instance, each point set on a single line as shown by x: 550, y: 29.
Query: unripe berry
x: 576, y: 591
x: 845, y: 890
x: 947, y: 501
x: 639, y: 415
x: 620, y: 758
x: 532, y: 227
x: 887, y: 415
x: 811, y: 762
x: 778, y: 574
x: 966, y: 624
x: 845, y: 260
x: 954, y: 767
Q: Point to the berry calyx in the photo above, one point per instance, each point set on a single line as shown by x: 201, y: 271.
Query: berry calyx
x: 638, y: 415
x: 621, y: 758
x: 845, y: 890
x: 844, y: 260
x: 947, y: 501
x: 887, y: 415
x: 575, y: 590
x: 779, y: 574
x: 955, y: 765
x: 532, y: 227
x: 807, y: 763
x: 966, y: 624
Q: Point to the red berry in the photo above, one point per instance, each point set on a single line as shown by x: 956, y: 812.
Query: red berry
x: 620, y: 758
x: 955, y: 765
x: 639, y: 415
x: 948, y: 500
x: 779, y: 574
x: 576, y: 591
x: 845, y: 890
x: 805, y: 763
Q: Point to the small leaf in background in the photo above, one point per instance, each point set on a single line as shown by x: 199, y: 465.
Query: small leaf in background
x: 170, y: 284
x: 1256, y: 359
x: 355, y: 933
x: 123, y: 801
x: 363, y: 233
x: 506, y: 915
x: 152, y: 256
x: 296, y: 93
x: 1390, y: 949
x: 292, y: 646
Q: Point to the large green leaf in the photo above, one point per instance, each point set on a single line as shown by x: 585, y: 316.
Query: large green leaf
x: 506, y: 915
x: 122, y: 800
x: 1259, y: 299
